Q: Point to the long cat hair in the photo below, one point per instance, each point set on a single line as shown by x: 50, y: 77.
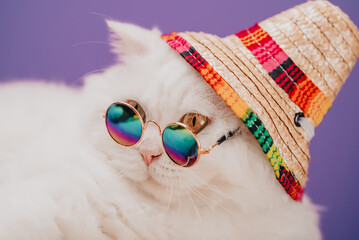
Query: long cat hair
x: 63, y: 177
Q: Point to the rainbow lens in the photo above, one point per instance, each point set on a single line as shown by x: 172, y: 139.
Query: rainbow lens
x: 123, y: 124
x: 180, y: 145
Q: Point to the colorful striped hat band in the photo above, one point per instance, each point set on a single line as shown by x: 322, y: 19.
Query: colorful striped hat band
x: 278, y: 75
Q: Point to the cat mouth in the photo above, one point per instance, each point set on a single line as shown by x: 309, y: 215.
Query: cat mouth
x: 162, y: 175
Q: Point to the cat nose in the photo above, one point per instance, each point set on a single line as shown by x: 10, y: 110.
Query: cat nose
x: 148, y: 155
x: 150, y: 149
x: 151, y: 146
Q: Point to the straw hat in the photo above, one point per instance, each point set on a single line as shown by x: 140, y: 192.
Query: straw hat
x: 286, y: 68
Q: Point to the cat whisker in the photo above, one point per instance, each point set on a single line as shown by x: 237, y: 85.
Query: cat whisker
x: 214, y: 189
x: 197, y: 193
x: 120, y: 173
x: 228, y: 193
x: 196, y: 211
x: 220, y: 193
x: 170, y: 199
x: 179, y: 207
x: 91, y: 42
x: 85, y: 75
x: 103, y: 15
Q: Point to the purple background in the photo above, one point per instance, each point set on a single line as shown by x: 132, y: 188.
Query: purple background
x: 64, y: 40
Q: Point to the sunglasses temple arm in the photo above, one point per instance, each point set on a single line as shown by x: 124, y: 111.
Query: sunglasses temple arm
x: 227, y: 136
x: 220, y: 141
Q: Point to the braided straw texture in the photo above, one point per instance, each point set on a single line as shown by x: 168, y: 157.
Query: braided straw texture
x: 319, y: 38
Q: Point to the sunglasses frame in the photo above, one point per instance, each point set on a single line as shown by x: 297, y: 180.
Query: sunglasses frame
x: 144, y: 125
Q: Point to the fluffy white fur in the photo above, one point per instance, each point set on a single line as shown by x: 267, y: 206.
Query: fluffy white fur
x: 63, y: 177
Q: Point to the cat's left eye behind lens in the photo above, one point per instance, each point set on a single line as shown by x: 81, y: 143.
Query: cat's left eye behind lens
x: 195, y: 121
x: 123, y: 124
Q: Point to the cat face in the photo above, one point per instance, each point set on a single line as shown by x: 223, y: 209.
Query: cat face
x: 167, y: 88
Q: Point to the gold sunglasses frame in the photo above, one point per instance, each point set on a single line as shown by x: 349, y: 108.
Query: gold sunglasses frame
x: 144, y: 125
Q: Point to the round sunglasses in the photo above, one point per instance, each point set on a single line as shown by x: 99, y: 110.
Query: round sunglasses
x: 126, y: 126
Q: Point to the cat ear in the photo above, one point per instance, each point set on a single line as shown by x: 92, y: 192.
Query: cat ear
x: 128, y: 38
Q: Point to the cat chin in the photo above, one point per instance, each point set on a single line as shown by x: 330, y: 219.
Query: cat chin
x: 159, y: 192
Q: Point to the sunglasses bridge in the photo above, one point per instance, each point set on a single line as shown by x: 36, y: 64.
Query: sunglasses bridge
x: 154, y: 122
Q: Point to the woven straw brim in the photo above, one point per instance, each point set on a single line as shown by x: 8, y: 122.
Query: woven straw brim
x: 321, y: 41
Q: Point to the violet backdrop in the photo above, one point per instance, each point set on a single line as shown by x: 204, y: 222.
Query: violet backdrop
x: 64, y: 40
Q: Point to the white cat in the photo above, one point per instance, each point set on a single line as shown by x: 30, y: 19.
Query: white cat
x: 63, y: 177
